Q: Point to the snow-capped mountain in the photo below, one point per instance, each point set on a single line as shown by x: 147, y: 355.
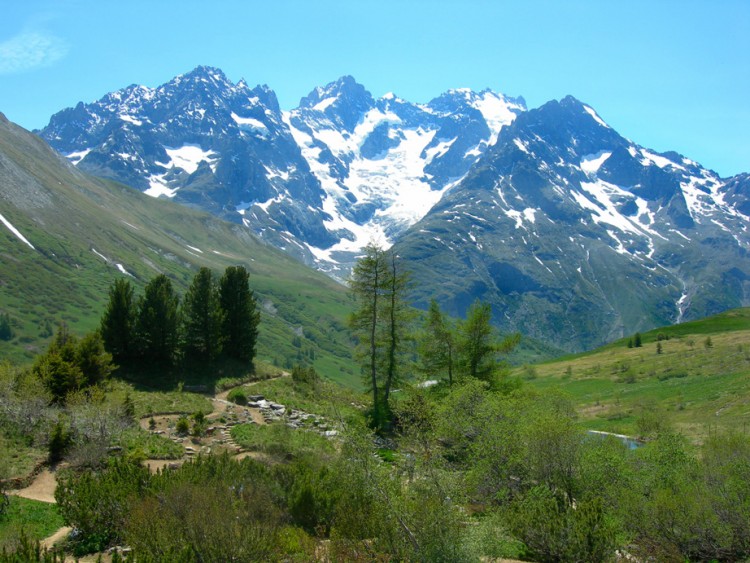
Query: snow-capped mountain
x: 320, y: 181
x: 384, y: 163
x: 574, y: 233
x: 571, y: 230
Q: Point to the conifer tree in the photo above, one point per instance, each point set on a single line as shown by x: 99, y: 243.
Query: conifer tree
x: 380, y: 324
x: 157, y: 321
x: 202, y: 316
x: 478, y: 343
x: 240, y: 315
x: 398, y: 316
x: 436, y: 345
x: 118, y: 322
x: 366, y: 284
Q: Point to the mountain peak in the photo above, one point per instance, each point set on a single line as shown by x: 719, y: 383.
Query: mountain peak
x: 345, y: 88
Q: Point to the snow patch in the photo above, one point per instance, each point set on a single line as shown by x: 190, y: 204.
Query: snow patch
x: 322, y: 105
x: 650, y: 158
x: 158, y: 187
x: 130, y: 119
x: 123, y: 270
x: 77, y: 156
x: 596, y: 117
x: 250, y: 124
x: 497, y: 112
x: 188, y: 157
x: 16, y: 232
x: 591, y: 163
x: 521, y: 145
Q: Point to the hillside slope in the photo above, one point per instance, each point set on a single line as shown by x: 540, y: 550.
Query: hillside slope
x: 695, y: 375
x: 578, y: 236
x: 65, y: 236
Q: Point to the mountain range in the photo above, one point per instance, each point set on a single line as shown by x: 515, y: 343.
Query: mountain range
x: 573, y: 233
x: 65, y: 236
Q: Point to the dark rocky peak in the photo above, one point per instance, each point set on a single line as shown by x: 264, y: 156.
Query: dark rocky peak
x: 570, y: 126
x: 344, y: 101
x: 264, y: 95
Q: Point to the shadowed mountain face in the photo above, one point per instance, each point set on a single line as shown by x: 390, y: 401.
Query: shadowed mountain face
x: 577, y: 235
x: 574, y: 234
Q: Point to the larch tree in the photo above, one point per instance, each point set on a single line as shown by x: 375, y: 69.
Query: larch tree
x: 478, y: 343
x: 240, y: 315
x: 436, y: 346
x: 366, y: 284
x: 380, y: 324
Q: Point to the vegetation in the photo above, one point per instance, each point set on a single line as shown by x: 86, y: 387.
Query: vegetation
x: 31, y: 518
x: 476, y: 466
x: 694, y: 388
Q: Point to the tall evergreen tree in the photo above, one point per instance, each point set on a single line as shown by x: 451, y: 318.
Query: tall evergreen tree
x: 436, y: 345
x: 118, y: 322
x: 366, y: 284
x: 157, y: 321
x: 240, y: 315
x: 202, y: 316
x: 397, y: 315
x: 380, y: 324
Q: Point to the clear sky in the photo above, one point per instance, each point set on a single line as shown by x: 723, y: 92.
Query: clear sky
x: 670, y: 75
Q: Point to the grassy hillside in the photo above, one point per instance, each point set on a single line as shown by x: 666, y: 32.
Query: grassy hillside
x: 85, y: 231
x: 699, y: 382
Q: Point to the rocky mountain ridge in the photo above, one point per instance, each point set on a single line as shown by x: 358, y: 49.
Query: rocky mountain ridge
x: 575, y: 234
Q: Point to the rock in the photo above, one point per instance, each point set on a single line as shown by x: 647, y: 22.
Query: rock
x: 330, y: 433
x: 256, y: 398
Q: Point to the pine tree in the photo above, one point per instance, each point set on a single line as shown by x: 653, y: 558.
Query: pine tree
x: 202, y: 316
x: 118, y: 322
x: 436, y: 345
x: 157, y: 321
x: 93, y: 360
x: 240, y: 315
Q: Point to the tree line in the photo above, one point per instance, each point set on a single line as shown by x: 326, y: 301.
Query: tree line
x: 215, y: 318
x: 386, y: 341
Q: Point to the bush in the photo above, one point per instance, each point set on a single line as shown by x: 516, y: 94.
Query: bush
x: 553, y: 531
x: 238, y: 396
x: 59, y: 442
x: 182, y: 427
x: 96, y: 503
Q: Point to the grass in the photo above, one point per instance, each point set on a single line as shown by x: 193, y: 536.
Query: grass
x: 17, y: 457
x: 152, y: 446
x: 36, y: 519
x: 694, y: 386
x: 154, y: 401
x: 279, y: 440
x: 329, y: 400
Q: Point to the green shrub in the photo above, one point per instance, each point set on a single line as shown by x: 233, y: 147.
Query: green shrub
x: 238, y: 396
x: 182, y: 427
x: 96, y: 503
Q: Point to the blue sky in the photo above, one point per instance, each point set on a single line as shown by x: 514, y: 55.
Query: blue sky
x: 670, y: 75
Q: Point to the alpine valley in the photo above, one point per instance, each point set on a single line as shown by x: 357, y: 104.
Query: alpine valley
x: 575, y: 234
